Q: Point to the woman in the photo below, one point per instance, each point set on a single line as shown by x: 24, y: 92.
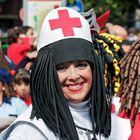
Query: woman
x: 67, y: 85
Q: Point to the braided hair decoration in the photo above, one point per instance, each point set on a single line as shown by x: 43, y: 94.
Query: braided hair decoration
x: 109, y: 50
x: 130, y: 82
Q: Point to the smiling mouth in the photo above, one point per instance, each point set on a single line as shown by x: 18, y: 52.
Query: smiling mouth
x: 75, y: 87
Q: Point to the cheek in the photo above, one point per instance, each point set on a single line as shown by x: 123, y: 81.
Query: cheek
x: 28, y: 89
x: 61, y: 77
x: 88, y: 74
x: 89, y: 77
x: 17, y: 88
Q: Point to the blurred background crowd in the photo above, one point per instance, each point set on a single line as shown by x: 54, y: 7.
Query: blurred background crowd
x: 18, y: 40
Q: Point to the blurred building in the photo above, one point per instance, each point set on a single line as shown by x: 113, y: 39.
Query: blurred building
x: 10, y: 13
x: 24, y: 12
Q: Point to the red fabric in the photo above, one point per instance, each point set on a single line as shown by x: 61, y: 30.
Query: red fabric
x: 16, y: 52
x: 113, y: 108
x: 123, y: 114
x: 67, y: 26
x: 101, y: 20
x: 27, y: 100
x: 135, y: 135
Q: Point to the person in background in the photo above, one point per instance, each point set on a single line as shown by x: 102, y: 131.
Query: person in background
x: 19, y: 44
x: 10, y: 106
x: 121, y: 32
x: 126, y: 45
x: 3, y: 61
x: 132, y: 34
x: 30, y: 56
x: 21, y: 85
x: 29, y: 32
x: 27, y: 61
x: 129, y: 91
x: 117, y: 30
x: 6, y: 63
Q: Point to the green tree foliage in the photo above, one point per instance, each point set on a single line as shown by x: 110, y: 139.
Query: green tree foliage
x: 121, y: 11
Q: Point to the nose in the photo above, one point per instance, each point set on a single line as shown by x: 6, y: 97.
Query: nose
x: 73, y: 74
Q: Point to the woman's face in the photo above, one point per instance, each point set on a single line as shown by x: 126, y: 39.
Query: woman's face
x: 76, y: 80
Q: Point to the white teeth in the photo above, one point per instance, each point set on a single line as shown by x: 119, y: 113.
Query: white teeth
x: 74, y: 86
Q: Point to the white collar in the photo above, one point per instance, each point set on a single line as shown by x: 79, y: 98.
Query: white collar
x: 83, y: 106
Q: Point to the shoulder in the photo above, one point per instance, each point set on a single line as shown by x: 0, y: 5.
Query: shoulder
x: 28, y: 129
x: 24, y: 130
x: 18, y: 104
x: 15, y: 100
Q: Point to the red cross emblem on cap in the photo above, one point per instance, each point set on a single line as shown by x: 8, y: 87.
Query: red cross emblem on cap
x: 65, y: 22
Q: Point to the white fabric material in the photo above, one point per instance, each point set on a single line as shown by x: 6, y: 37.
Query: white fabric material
x: 81, y: 116
x: 27, y: 129
x: 36, y: 129
x: 121, y: 128
x: 116, y: 102
x: 48, y: 36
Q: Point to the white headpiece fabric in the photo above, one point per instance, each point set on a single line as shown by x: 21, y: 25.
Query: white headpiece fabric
x: 63, y: 23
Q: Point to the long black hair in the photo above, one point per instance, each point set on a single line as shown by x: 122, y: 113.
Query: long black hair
x: 48, y: 100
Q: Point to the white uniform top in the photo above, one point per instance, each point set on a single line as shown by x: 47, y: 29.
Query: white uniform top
x: 27, y: 129
x: 121, y: 128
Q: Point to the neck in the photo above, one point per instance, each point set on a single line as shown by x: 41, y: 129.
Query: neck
x: 80, y: 106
